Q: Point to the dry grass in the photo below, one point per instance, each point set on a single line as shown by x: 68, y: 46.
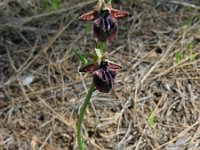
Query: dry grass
x: 155, y: 104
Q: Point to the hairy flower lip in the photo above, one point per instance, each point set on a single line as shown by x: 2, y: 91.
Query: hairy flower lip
x: 105, y: 30
x: 102, y: 85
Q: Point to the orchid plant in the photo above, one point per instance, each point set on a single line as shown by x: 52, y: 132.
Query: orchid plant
x: 103, y: 71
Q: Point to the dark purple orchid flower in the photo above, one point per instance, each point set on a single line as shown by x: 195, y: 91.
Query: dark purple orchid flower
x: 105, y: 27
x: 105, y: 22
x: 103, y: 74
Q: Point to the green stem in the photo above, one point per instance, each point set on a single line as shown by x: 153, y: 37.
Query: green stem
x: 80, y: 119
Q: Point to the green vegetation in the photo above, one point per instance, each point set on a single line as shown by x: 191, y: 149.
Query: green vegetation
x: 87, y: 28
x: 100, y: 46
x: 52, y: 4
x: 151, y: 120
x: 191, y: 50
x: 4, y: 31
x: 178, y: 56
x: 81, y: 57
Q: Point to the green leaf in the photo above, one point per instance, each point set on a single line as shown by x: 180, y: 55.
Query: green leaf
x: 98, y: 52
x: 81, y: 57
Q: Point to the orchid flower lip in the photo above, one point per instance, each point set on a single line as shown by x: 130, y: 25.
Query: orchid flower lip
x: 108, y: 23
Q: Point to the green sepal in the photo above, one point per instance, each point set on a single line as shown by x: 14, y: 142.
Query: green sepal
x: 100, y: 45
x: 108, y: 1
x: 98, y: 52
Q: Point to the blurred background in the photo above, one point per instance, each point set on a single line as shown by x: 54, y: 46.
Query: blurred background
x: 155, y: 103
